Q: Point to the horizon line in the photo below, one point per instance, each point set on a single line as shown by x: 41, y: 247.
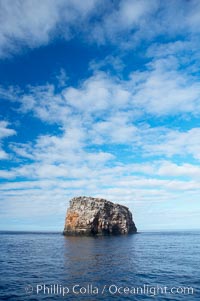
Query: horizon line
x: 60, y: 232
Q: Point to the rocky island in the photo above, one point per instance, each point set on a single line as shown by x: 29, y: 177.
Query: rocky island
x: 94, y: 216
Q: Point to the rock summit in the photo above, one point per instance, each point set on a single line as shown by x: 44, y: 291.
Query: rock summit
x: 95, y: 216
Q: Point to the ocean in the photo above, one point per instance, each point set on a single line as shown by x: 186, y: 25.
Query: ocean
x: 143, y: 266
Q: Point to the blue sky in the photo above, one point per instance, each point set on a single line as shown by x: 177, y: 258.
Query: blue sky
x: 100, y: 98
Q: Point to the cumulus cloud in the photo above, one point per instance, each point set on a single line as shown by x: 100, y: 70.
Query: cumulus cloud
x: 145, y: 20
x: 4, y: 133
x: 35, y: 23
x: 162, y: 89
x: 105, y: 109
x: 127, y: 17
x: 178, y: 143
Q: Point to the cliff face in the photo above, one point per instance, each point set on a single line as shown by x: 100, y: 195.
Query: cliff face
x: 94, y: 216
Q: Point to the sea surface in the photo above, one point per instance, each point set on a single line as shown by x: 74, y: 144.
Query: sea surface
x: 144, y: 266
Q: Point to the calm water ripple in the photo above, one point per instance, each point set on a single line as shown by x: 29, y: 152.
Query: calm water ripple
x: 28, y: 260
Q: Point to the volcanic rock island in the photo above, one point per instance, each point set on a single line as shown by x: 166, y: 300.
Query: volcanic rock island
x: 87, y: 216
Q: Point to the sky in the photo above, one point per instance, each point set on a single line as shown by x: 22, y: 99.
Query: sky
x: 100, y: 98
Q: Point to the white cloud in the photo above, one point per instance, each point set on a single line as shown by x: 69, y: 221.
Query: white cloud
x: 126, y: 17
x: 164, y: 90
x: 187, y: 170
x: 143, y: 21
x: 177, y: 143
x: 105, y: 109
x: 35, y: 23
x: 167, y: 169
x: 3, y: 154
x: 161, y: 90
x: 116, y: 129
x: 4, y: 133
